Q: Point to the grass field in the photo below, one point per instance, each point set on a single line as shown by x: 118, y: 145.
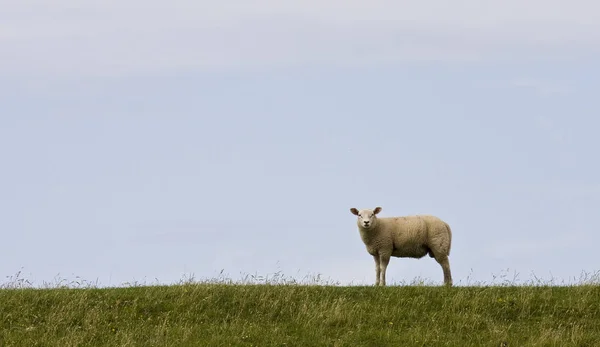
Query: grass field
x: 216, y: 313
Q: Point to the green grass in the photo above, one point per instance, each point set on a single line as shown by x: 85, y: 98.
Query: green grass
x: 226, y: 314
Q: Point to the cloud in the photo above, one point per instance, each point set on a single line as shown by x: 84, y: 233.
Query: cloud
x: 542, y: 87
x: 557, y: 134
x: 71, y: 37
x: 538, y: 86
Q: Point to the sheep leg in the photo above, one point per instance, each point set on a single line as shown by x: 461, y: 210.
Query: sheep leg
x: 377, y: 269
x: 445, y: 263
x: 384, y: 260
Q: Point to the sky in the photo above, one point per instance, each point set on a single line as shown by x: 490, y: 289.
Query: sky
x: 146, y: 141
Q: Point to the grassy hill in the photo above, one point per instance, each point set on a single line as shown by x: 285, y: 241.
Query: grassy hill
x: 216, y: 314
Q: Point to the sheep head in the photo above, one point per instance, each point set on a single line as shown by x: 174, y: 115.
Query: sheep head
x: 367, y: 218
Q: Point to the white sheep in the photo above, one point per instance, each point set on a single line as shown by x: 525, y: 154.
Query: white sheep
x: 404, y: 237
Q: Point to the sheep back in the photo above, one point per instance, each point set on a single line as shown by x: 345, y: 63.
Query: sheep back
x: 415, y: 236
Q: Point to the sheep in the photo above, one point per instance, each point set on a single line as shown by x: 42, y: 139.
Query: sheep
x: 404, y: 237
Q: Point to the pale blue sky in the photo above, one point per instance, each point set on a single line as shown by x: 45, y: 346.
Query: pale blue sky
x: 144, y: 142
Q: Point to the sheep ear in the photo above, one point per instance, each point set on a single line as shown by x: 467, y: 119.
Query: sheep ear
x: 354, y: 211
x: 377, y: 210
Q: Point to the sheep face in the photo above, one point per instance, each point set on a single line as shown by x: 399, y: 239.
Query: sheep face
x: 367, y: 218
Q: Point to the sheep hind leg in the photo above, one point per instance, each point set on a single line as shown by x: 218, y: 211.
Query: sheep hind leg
x: 445, y: 263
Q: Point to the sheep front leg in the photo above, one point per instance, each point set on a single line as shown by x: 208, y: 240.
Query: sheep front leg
x: 377, y: 269
x: 384, y: 260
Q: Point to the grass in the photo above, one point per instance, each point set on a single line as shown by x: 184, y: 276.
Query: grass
x: 276, y: 312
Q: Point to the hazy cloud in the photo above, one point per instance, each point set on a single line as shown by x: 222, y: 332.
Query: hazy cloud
x: 542, y: 87
x: 71, y: 37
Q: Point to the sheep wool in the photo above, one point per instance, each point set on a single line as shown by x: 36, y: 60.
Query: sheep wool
x: 404, y: 237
